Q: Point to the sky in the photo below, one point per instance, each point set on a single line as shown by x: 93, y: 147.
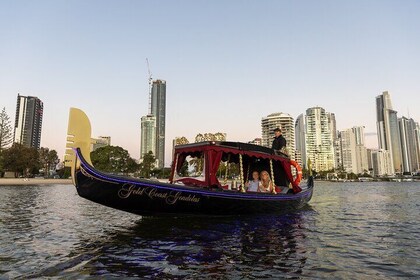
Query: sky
x: 227, y: 64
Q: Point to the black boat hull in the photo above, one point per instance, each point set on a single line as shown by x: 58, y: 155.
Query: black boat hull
x: 147, y: 197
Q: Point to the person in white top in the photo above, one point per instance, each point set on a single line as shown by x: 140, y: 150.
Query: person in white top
x: 252, y: 186
x: 266, y: 183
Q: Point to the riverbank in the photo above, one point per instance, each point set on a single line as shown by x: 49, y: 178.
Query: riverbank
x: 32, y: 181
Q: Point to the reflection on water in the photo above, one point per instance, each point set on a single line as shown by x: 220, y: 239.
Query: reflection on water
x: 252, y: 246
x: 349, y: 231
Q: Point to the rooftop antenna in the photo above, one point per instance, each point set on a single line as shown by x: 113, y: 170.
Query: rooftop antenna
x: 150, y: 86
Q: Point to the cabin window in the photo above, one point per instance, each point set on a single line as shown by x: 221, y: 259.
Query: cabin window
x: 228, y: 173
x: 190, y: 166
x: 251, y: 164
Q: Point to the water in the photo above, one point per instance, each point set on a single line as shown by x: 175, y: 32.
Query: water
x: 349, y: 231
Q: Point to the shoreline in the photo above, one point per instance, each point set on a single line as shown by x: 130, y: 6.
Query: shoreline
x: 33, y: 181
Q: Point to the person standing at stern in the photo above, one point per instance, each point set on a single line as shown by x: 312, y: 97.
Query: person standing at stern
x: 279, y: 142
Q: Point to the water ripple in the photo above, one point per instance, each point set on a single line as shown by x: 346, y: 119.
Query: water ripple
x: 370, y: 232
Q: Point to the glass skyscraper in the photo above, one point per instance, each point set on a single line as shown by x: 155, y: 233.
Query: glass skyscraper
x: 158, y: 110
x: 148, y: 135
x: 28, y: 121
x: 388, y: 130
x: 300, y: 139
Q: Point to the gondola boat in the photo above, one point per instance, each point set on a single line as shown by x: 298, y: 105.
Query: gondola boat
x: 199, y: 182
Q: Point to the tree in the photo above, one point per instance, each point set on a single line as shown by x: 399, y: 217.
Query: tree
x: 183, y: 170
x: 64, y: 172
x: 365, y: 174
x: 231, y: 169
x: 47, y: 158
x: 352, y: 176
x: 6, y: 135
x: 196, y: 164
x: 113, y: 159
x: 147, y: 165
x: 161, y: 173
x: 21, y: 159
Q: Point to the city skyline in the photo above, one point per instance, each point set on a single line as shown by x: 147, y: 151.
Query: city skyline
x: 224, y: 75
x: 409, y: 132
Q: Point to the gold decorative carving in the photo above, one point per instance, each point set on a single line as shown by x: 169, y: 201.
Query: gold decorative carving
x: 78, y: 136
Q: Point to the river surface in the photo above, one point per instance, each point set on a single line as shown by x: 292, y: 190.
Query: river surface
x: 348, y: 231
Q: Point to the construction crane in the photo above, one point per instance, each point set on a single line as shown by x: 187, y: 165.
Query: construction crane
x: 150, y: 86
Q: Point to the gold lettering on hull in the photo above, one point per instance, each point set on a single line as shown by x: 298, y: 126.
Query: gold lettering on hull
x: 171, y: 197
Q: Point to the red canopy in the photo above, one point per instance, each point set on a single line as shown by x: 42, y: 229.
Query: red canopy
x: 213, y: 152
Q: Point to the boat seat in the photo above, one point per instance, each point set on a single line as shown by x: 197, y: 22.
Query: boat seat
x: 282, y: 190
x: 191, y: 182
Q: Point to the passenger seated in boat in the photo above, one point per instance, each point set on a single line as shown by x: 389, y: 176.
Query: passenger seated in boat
x: 266, y: 185
x: 252, y: 186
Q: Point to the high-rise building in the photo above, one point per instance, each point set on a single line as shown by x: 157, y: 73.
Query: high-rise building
x: 409, y: 149
x: 153, y: 125
x: 332, y: 124
x: 336, y: 142
x: 300, y: 139
x: 319, y: 139
x: 417, y: 144
x: 362, y: 164
x: 148, y: 136
x: 298, y: 158
x: 286, y: 123
x: 353, y: 150
x: 388, y: 130
x: 381, y: 163
x: 348, y: 150
x: 28, y: 122
x: 369, y: 159
x: 158, y: 109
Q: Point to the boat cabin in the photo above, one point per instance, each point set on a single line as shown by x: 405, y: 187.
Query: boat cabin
x: 228, y: 165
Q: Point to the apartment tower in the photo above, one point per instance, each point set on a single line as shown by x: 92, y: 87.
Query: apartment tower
x: 286, y: 123
x: 28, y: 121
x: 319, y: 139
x: 353, y: 150
x: 409, y: 148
